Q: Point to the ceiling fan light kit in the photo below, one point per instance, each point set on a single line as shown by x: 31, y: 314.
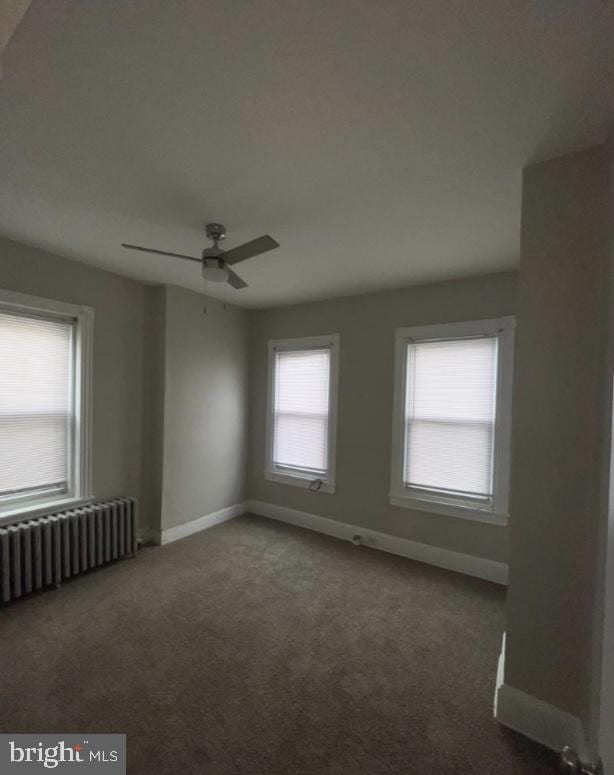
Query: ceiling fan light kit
x: 214, y: 271
x: 216, y: 262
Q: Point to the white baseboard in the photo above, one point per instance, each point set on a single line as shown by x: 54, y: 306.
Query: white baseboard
x: 202, y: 523
x: 542, y: 722
x: 432, y: 555
x: 536, y: 719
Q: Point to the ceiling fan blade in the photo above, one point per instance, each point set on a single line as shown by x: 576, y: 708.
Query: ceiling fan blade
x: 250, y: 249
x: 235, y: 280
x: 159, y: 252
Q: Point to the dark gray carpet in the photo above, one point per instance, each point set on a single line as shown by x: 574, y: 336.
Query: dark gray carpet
x: 259, y: 648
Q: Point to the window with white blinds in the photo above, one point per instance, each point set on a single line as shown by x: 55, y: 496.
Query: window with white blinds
x: 450, y: 405
x: 40, y: 399
x: 301, y: 412
x: 300, y: 423
x: 35, y: 404
x: 452, y: 416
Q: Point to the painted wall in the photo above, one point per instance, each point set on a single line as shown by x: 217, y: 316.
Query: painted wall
x: 118, y: 355
x: 558, y: 426
x: 366, y: 324
x: 153, y: 406
x: 604, y: 694
x: 204, y: 437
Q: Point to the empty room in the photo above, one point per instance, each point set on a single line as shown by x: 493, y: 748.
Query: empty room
x: 306, y: 365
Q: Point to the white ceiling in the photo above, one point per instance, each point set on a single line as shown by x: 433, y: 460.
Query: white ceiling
x: 381, y: 143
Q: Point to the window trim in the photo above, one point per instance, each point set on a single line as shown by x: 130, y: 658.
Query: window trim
x: 295, y: 476
x: 79, y: 490
x: 497, y: 510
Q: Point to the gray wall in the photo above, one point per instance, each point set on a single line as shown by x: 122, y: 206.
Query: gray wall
x: 205, y: 407
x: 558, y: 430
x: 153, y: 405
x: 366, y: 324
x: 118, y: 354
x: 604, y: 694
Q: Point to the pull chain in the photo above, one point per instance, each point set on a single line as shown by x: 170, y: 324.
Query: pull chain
x: 204, y: 296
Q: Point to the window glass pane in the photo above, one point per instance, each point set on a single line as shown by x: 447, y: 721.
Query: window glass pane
x: 301, y: 407
x: 450, y: 409
x: 35, y: 403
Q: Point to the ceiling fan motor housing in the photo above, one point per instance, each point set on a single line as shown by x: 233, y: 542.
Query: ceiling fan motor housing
x: 214, y: 267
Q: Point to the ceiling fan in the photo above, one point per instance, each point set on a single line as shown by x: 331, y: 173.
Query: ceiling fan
x: 215, y: 261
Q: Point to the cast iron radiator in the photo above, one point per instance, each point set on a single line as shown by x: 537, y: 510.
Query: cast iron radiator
x: 44, y: 551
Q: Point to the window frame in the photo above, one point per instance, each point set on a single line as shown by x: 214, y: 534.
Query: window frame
x: 295, y: 476
x: 80, y: 463
x: 496, y: 510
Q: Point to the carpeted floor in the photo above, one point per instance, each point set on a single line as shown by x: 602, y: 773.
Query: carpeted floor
x: 256, y: 648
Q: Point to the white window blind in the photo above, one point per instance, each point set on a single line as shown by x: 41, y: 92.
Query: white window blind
x: 450, y: 410
x: 301, y: 410
x: 36, y: 374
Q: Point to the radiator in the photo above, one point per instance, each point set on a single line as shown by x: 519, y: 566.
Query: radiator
x: 43, y: 552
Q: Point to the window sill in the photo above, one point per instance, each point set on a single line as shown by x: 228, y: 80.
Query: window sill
x: 469, y: 512
x: 298, y: 481
x: 21, y: 513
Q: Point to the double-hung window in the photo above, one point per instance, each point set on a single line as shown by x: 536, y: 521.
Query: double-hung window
x: 302, y: 412
x: 44, y: 403
x: 452, y: 406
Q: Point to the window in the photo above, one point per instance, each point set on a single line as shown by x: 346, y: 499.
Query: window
x: 44, y: 378
x: 451, y: 433
x: 302, y: 412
